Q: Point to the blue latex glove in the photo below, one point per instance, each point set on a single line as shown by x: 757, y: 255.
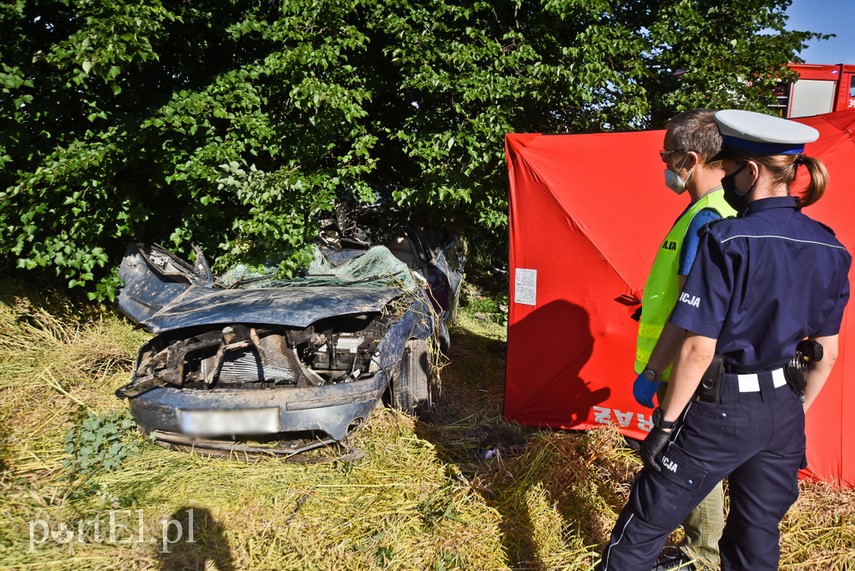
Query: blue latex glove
x: 643, y: 390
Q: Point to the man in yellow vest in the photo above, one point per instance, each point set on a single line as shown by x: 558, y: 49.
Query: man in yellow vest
x: 691, y: 138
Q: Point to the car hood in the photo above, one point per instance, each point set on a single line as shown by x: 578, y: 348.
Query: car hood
x: 293, y: 307
x: 162, y: 292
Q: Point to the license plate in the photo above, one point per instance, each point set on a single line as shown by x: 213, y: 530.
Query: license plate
x: 222, y: 422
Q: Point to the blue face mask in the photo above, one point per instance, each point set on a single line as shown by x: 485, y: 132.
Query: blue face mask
x: 737, y: 200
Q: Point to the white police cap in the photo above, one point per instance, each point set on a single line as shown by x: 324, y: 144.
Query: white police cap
x: 759, y: 134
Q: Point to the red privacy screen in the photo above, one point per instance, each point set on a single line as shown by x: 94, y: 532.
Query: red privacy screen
x: 587, y: 214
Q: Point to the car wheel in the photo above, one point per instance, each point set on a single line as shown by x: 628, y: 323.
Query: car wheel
x: 411, y: 390
x: 444, y: 336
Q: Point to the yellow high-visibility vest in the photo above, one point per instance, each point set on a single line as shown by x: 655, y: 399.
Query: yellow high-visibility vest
x: 663, y: 283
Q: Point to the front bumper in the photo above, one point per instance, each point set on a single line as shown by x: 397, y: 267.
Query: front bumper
x: 329, y: 409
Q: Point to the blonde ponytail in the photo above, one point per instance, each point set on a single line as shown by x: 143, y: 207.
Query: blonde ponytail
x: 783, y: 169
x: 818, y: 179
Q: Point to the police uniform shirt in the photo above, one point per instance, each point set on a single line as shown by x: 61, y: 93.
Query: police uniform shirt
x: 764, y: 281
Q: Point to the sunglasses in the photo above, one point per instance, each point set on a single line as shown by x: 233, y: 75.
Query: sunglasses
x: 665, y: 152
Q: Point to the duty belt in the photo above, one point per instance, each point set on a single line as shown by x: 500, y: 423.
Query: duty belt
x: 750, y: 382
x: 712, y: 383
x: 715, y: 381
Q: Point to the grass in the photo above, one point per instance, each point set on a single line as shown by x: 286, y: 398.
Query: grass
x: 463, y: 490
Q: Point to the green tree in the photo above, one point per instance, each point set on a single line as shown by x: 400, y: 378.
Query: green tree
x: 236, y: 124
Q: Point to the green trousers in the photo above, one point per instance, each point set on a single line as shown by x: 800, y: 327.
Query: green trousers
x: 703, y: 527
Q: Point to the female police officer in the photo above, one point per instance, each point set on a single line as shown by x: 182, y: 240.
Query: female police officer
x: 761, y: 283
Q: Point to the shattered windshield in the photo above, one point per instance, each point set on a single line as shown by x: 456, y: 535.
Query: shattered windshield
x: 376, y: 267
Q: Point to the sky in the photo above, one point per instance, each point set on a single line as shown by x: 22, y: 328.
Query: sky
x: 827, y: 17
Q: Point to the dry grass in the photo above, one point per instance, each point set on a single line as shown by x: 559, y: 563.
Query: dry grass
x: 465, y: 490
x: 819, y: 530
x: 400, y: 507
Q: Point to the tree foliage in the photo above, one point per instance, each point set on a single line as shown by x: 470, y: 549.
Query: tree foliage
x: 236, y: 124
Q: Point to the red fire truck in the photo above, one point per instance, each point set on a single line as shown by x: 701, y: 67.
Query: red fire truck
x: 820, y: 89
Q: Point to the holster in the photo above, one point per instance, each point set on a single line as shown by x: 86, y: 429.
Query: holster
x: 807, y: 351
x: 709, y: 390
x: 795, y: 376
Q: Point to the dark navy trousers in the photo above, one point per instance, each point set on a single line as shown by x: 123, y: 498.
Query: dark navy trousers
x: 755, y: 438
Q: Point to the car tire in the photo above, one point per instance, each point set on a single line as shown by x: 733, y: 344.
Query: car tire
x: 411, y: 387
x: 444, y: 337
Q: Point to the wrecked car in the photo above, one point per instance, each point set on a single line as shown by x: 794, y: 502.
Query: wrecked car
x: 297, y: 363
